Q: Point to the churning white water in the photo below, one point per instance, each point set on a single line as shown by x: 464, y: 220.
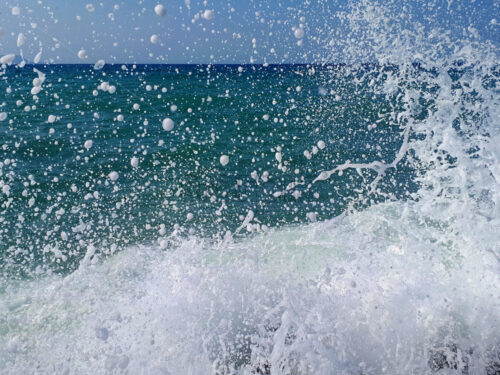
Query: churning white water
x: 380, y: 291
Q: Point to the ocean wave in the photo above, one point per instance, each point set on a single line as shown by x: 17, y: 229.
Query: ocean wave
x: 386, y: 290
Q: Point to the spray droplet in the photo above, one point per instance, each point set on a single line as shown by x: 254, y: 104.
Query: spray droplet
x: 299, y: 33
x: 168, y: 124
x: 82, y: 54
x: 38, y: 57
x: 20, y: 39
x: 7, y: 59
x: 208, y: 14
x: 99, y: 64
x: 113, y: 176
x: 160, y: 10
x: 224, y: 160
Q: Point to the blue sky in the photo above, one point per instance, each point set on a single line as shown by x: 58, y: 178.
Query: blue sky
x: 119, y: 31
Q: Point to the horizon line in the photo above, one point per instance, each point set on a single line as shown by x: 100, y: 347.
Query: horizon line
x: 216, y: 64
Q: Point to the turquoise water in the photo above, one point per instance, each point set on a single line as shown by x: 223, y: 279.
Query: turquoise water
x: 58, y: 187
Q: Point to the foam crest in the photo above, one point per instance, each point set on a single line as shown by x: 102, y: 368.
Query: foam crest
x: 380, y: 291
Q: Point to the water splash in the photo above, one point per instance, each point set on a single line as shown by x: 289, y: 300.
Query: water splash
x: 394, y: 283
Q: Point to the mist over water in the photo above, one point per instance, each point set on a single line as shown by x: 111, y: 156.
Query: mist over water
x: 335, y: 218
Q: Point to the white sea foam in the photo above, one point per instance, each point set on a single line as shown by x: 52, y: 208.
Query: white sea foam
x: 372, y: 292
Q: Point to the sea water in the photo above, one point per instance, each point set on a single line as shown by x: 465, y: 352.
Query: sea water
x: 256, y: 219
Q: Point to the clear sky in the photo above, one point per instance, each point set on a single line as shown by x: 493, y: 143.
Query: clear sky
x: 241, y: 31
